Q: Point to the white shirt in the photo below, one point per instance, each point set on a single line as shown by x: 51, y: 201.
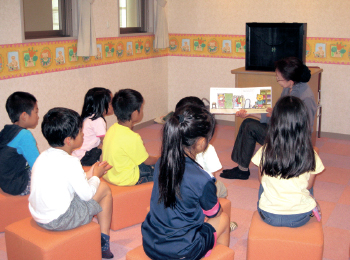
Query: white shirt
x: 209, y: 160
x: 93, y: 130
x: 56, y: 176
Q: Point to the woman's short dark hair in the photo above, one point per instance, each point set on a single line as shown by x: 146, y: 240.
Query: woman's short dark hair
x: 60, y: 123
x: 96, y: 102
x: 19, y: 102
x: 288, y: 150
x: 293, y: 69
x: 125, y: 102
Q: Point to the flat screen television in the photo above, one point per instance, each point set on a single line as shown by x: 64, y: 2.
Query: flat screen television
x: 269, y: 42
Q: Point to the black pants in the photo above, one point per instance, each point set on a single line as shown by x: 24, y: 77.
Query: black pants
x: 250, y: 132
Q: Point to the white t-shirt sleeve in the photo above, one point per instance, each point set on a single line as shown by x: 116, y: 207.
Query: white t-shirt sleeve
x: 84, y: 188
x: 209, y: 160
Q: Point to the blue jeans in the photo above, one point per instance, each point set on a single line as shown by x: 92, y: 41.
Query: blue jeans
x: 295, y: 220
x: 146, y: 173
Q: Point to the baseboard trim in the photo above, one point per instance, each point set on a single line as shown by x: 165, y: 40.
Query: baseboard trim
x: 144, y: 124
x: 335, y: 136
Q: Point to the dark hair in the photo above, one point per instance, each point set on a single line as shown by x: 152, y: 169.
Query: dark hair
x: 293, y: 69
x: 181, y: 131
x: 60, y: 123
x: 288, y: 151
x: 19, y: 102
x: 125, y: 102
x: 96, y: 102
x: 191, y: 100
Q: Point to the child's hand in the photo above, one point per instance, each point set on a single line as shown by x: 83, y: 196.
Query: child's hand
x: 100, y: 168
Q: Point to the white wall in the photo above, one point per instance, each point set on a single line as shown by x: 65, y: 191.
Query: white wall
x: 194, y: 76
x: 67, y: 88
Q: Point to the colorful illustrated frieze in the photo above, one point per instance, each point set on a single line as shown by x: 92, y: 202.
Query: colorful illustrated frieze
x: 25, y: 59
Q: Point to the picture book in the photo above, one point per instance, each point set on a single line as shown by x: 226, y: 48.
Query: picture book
x: 230, y: 100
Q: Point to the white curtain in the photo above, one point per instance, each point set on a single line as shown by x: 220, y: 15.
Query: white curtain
x: 86, y: 30
x: 161, y: 37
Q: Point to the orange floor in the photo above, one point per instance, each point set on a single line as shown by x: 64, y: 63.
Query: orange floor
x: 332, y: 190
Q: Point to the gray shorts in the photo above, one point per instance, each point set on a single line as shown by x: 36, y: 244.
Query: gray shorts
x: 79, y: 213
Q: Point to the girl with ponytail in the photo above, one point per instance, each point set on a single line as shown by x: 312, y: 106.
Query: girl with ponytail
x: 184, y: 195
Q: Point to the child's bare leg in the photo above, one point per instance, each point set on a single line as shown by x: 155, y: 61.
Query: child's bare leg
x: 222, y: 227
x: 103, y: 197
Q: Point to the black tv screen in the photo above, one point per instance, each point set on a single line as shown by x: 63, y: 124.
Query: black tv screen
x: 269, y: 42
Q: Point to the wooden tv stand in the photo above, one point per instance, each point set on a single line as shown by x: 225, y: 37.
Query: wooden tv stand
x: 253, y: 78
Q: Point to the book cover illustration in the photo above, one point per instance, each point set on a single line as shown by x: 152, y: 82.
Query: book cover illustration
x: 230, y: 100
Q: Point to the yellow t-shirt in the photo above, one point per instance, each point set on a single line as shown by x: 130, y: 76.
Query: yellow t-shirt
x: 124, y: 150
x: 287, y: 196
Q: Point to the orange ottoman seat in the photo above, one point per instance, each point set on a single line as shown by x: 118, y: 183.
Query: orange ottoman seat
x: 219, y: 252
x: 26, y: 240
x: 226, y: 206
x: 12, y: 208
x: 129, y: 204
x: 275, y: 243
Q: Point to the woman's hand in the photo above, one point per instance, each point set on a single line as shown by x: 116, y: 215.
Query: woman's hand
x: 242, y: 113
x: 269, y: 111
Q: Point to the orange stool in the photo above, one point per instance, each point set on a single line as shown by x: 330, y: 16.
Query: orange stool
x: 26, y: 240
x: 219, y: 252
x: 275, y: 243
x: 129, y: 204
x: 12, y: 208
x: 226, y: 206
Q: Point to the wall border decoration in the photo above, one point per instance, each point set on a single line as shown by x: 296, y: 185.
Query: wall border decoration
x: 42, y: 56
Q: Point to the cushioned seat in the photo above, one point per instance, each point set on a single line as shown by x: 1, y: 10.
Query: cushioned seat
x: 276, y: 243
x: 129, y: 204
x: 219, y: 252
x: 12, y: 208
x: 26, y: 240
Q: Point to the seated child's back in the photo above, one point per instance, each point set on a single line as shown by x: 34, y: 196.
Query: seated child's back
x: 97, y: 105
x: 62, y: 195
x: 18, y: 150
x: 123, y: 148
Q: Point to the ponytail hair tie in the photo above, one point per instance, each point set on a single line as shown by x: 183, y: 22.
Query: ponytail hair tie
x: 181, y: 118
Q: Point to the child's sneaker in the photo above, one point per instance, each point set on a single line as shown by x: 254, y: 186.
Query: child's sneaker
x: 233, y: 226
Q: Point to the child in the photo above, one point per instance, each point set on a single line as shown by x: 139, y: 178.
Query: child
x: 62, y: 196
x: 18, y: 150
x: 97, y: 105
x: 208, y: 159
x: 123, y: 148
x: 183, y: 193
x: 288, y: 166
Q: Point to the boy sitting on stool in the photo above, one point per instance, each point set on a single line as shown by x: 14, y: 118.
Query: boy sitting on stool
x: 62, y: 195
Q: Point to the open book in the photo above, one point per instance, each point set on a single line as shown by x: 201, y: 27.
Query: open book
x: 230, y: 100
